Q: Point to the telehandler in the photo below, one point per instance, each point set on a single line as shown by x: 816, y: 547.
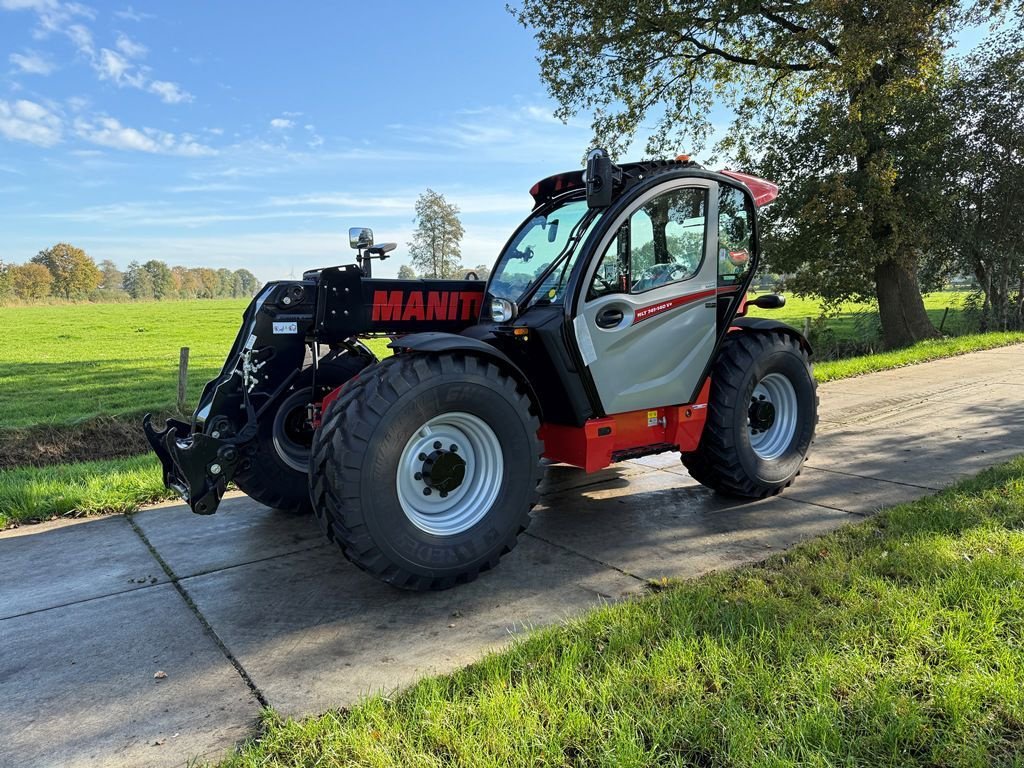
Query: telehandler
x: 612, y: 326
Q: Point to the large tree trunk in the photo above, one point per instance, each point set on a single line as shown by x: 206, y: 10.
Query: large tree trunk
x: 900, y: 306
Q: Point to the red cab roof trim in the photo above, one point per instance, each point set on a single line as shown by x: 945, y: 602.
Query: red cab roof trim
x: 764, y: 191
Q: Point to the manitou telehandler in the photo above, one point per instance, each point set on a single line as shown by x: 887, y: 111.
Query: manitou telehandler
x: 612, y: 326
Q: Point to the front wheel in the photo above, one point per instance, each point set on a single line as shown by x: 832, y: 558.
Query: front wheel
x: 762, y: 414
x: 424, y: 471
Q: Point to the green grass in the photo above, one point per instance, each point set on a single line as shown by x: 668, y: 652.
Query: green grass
x: 829, y: 370
x: 853, y: 322
x: 33, y: 494
x: 895, y: 642
x: 63, y: 363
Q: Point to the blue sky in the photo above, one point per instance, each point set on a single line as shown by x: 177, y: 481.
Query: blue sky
x: 240, y: 134
x: 215, y: 134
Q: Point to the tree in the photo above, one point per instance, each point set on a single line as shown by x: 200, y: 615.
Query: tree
x: 31, y: 281
x: 75, y: 275
x: 435, y: 249
x: 225, y: 282
x: 778, y: 65
x: 985, y: 167
x: 208, y: 282
x: 5, y: 281
x: 111, y: 278
x: 138, y: 282
x: 161, y: 278
x: 405, y: 272
x: 247, y: 282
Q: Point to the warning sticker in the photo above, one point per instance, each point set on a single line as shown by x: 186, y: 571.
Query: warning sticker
x: 652, y: 418
x: 286, y: 328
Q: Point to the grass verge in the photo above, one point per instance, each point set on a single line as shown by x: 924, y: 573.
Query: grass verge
x: 921, y: 352
x: 33, y: 494
x: 897, y: 641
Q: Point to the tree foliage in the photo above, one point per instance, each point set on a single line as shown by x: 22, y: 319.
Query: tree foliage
x: 30, y: 281
x: 138, y: 282
x: 984, y: 164
x: 405, y: 272
x: 161, y: 279
x: 111, y: 278
x: 74, y: 274
x: 435, y: 248
x: 822, y: 93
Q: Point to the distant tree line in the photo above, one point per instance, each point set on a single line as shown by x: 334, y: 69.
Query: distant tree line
x: 69, y: 273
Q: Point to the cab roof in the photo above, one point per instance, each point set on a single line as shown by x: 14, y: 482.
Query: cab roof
x: 544, y: 190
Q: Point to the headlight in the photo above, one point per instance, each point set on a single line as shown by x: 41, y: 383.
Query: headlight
x: 501, y: 310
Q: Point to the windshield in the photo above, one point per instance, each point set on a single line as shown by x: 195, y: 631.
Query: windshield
x: 540, y: 244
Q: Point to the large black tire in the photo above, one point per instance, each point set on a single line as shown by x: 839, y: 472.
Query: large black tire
x: 276, y: 473
x: 725, y: 459
x: 361, y: 456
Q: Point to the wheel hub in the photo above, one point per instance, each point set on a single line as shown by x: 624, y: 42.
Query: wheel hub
x: 761, y: 414
x: 449, y: 473
x: 444, y: 470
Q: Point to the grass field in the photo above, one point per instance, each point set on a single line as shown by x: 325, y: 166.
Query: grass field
x: 64, y: 363
x: 69, y: 362
x: 895, y: 642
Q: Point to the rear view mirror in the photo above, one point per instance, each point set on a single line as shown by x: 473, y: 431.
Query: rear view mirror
x: 360, y: 237
x: 769, y: 301
x: 552, y: 230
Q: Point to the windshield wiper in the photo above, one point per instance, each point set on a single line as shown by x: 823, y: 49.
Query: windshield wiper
x: 570, y: 246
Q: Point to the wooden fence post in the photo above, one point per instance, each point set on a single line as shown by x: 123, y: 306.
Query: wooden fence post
x: 182, y: 379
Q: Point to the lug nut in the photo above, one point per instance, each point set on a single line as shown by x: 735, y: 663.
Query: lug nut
x: 444, y: 494
x: 418, y: 476
x: 454, y: 448
x: 423, y: 457
x: 437, y: 445
x: 426, y: 491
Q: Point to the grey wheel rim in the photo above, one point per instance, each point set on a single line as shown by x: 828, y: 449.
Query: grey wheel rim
x: 292, y: 440
x: 775, y: 394
x: 458, y: 440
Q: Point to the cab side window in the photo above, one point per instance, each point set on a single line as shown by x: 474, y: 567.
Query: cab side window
x: 663, y: 242
x: 666, y: 239
x: 735, y: 229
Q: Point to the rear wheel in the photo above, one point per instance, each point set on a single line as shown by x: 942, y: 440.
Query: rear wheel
x: 762, y: 414
x: 425, y: 470
x: 276, y: 475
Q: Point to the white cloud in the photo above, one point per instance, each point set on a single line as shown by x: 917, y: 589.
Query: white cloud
x: 169, y: 93
x: 113, y: 66
x: 280, y: 124
x: 118, y: 66
x: 130, y: 48
x: 27, y: 121
x: 108, y: 132
x: 82, y: 38
x: 131, y: 14
x: 32, y: 63
x: 52, y: 15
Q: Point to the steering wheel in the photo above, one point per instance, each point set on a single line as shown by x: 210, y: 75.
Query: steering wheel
x: 604, y: 285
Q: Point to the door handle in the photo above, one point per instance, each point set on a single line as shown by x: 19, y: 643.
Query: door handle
x: 608, y: 318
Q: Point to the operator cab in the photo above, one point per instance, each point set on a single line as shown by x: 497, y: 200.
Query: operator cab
x: 614, y: 293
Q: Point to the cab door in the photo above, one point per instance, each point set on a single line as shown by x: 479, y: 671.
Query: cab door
x: 646, y: 322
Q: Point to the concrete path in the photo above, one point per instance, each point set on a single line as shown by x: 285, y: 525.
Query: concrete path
x: 249, y: 607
